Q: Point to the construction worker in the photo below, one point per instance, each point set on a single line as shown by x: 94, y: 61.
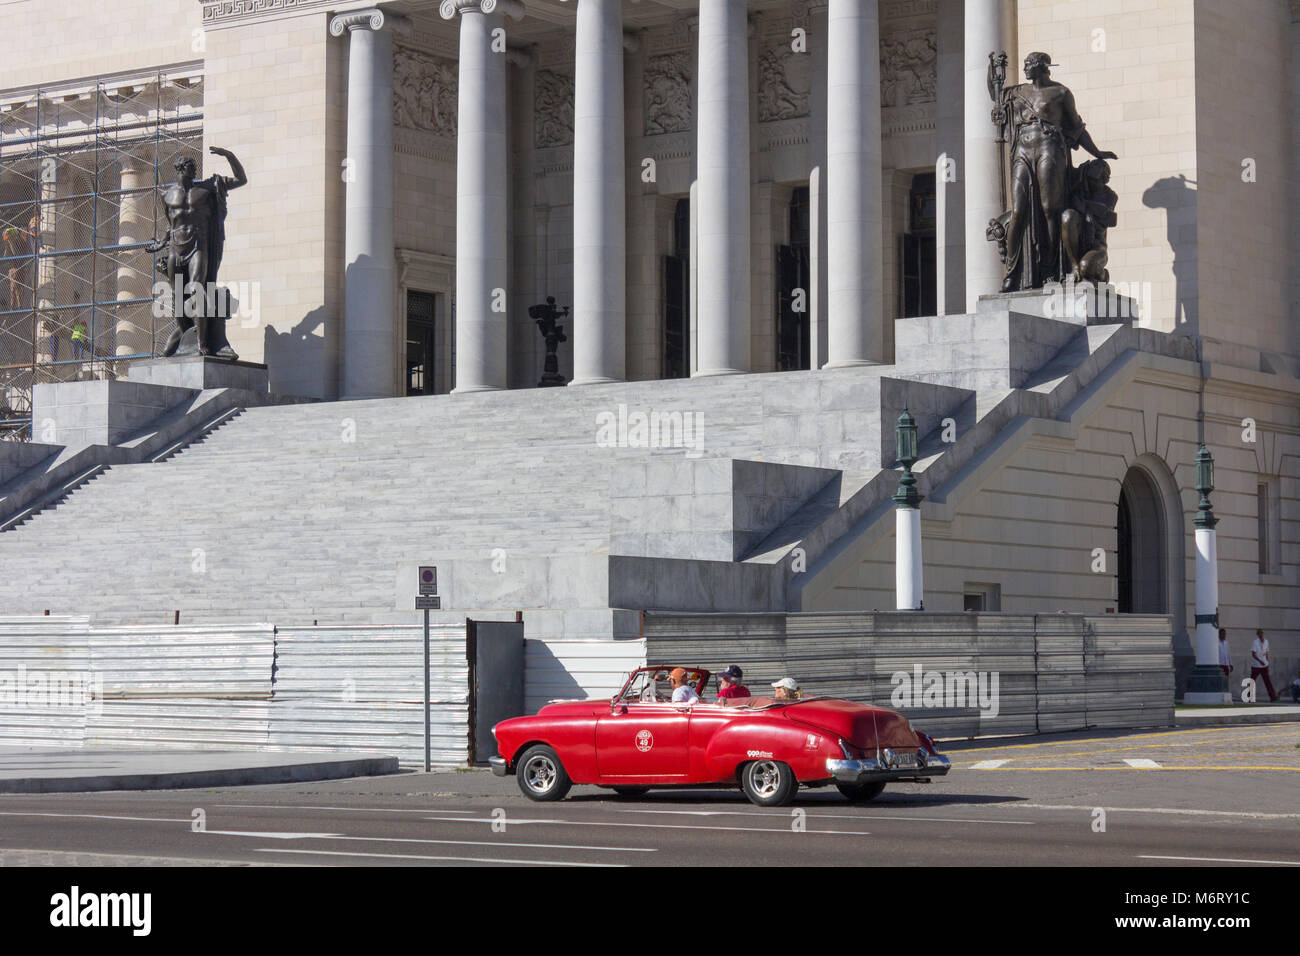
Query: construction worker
x: 80, y: 340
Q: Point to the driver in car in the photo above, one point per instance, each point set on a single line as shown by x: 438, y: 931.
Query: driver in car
x: 683, y: 693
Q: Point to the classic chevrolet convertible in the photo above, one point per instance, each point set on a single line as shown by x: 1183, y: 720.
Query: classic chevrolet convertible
x: 639, y: 739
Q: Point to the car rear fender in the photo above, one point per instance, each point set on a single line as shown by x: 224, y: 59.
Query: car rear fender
x: 769, y: 737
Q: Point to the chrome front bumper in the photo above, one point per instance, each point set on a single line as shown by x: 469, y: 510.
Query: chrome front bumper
x: 499, y: 766
x: 871, y: 770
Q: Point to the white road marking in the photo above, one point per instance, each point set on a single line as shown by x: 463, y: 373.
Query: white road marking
x: 1142, y: 763
x: 1245, y: 814
x: 823, y: 816
x: 271, y: 835
x: 1219, y: 859
x: 369, y: 839
x: 292, y: 806
x: 92, y: 816
x: 650, y: 826
x: 454, y: 859
x: 988, y: 764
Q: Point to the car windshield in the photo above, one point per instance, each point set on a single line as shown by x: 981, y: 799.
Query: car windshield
x: 651, y: 684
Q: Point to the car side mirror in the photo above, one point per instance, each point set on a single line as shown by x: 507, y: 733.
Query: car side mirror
x: 617, y: 708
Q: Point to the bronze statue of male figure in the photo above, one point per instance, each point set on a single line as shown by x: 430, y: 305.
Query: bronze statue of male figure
x: 1045, y: 127
x: 194, y: 243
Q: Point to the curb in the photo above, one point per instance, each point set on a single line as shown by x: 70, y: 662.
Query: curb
x: 227, y: 777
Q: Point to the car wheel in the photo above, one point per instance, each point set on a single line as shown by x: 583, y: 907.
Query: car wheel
x: 768, y: 783
x: 631, y: 791
x: 861, y: 792
x: 541, y: 775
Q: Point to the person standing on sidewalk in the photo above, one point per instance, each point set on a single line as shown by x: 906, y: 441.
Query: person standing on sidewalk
x: 1225, y: 655
x: 1259, y: 664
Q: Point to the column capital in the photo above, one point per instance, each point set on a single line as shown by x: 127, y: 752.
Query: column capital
x: 448, y: 9
x: 371, y: 19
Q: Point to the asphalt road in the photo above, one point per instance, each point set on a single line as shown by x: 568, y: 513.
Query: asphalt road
x: 1220, y: 796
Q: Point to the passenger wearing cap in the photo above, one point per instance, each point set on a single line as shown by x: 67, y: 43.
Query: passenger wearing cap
x: 787, y: 688
x: 730, y: 685
x: 683, y: 693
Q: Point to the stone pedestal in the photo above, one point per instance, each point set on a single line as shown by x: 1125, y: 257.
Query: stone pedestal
x: 1083, y: 303
x: 199, y: 372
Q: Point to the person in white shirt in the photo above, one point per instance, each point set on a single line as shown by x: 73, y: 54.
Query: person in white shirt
x: 683, y: 693
x: 1259, y: 663
x: 1225, y: 655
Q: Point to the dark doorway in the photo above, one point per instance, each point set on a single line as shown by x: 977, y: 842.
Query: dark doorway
x: 1140, y: 540
x: 676, y: 361
x: 792, y: 287
x: 420, y: 377
x: 920, y: 289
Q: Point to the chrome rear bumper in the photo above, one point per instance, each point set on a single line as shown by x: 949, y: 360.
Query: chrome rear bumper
x: 499, y: 766
x: 873, y: 771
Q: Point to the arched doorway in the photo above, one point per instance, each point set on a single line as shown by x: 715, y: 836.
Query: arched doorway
x: 1142, y: 545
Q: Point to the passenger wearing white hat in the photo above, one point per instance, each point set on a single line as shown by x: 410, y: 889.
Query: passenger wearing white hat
x: 787, y: 688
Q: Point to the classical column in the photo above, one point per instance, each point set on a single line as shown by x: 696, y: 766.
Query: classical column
x: 950, y: 177
x: 818, y: 264
x: 135, y: 272
x: 369, y: 341
x: 985, y: 32
x: 599, y: 196
x: 721, y: 193
x: 481, y: 193
x: 855, y: 310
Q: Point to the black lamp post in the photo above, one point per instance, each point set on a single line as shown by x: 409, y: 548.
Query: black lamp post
x: 1206, y: 683
x: 905, y: 434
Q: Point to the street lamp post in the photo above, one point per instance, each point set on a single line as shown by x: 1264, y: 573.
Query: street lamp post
x: 907, y: 522
x: 1206, y: 684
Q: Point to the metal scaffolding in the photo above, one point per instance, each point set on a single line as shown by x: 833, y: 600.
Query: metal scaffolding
x: 80, y: 171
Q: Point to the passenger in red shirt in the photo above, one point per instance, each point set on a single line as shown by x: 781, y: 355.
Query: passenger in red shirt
x: 730, y: 685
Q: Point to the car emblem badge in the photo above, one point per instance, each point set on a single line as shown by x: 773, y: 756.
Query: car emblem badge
x: 644, y: 740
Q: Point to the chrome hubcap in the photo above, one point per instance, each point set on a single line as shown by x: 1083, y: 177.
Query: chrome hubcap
x: 539, y: 774
x: 764, y: 777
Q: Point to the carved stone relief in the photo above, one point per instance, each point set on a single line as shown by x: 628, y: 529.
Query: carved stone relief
x: 668, y: 93
x: 553, y: 103
x: 784, y: 83
x: 424, y: 92
x: 908, y: 68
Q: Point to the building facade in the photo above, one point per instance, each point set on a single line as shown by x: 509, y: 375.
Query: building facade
x: 713, y: 188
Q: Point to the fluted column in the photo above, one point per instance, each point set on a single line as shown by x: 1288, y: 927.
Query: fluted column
x: 599, y: 200
x: 135, y: 271
x: 481, y: 194
x: 950, y: 176
x: 819, y: 264
x: 855, y: 309
x: 985, y: 31
x: 722, y: 193
x: 369, y: 341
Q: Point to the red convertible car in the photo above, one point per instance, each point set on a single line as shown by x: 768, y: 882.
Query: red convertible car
x: 639, y: 739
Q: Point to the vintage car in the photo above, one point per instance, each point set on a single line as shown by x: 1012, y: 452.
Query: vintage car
x: 639, y: 739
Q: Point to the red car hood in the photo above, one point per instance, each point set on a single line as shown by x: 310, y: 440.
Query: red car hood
x: 575, y: 708
x: 860, y: 724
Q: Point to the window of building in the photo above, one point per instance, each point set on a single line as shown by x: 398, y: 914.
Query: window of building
x: 1268, y: 525
x: 677, y: 297
x: 793, y: 334
x: 421, y: 358
x: 920, y: 289
x: 981, y: 597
